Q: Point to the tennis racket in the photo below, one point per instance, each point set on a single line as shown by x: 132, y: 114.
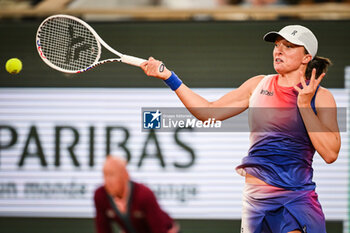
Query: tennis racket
x: 70, y: 45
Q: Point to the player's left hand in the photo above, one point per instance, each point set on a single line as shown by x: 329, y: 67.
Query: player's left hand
x: 307, y: 92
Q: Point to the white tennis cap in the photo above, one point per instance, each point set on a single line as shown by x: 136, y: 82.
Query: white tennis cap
x: 298, y: 35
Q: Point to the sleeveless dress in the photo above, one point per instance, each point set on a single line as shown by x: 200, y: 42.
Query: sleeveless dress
x: 281, y: 155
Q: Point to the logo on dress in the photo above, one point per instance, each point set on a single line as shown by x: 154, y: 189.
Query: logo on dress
x: 266, y: 92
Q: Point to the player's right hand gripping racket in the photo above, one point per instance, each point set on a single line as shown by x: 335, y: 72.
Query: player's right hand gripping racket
x: 70, y: 45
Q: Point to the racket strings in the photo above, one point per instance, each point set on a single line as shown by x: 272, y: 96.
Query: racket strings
x: 68, y: 44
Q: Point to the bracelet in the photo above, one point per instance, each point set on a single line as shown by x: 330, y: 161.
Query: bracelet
x: 173, y: 81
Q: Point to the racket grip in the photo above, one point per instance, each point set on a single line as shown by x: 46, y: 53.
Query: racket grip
x: 131, y: 60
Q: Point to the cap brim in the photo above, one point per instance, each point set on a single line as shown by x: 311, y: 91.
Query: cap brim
x: 271, y: 36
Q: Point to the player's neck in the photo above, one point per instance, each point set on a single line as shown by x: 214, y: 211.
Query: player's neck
x: 289, y: 79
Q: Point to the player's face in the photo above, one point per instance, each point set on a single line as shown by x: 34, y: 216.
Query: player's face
x: 288, y: 57
x: 114, y: 181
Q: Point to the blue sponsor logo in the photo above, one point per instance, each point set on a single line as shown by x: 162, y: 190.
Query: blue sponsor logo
x: 152, y: 119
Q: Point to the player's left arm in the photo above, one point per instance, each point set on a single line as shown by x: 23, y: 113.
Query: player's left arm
x: 324, y: 132
x: 322, y: 128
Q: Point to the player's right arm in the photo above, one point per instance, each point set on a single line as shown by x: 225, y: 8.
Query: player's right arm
x: 231, y: 104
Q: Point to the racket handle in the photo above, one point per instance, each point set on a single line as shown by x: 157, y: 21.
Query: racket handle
x: 131, y: 60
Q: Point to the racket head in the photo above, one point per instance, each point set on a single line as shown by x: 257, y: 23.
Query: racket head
x: 68, y: 44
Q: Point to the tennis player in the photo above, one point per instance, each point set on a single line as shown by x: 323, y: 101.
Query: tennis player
x: 131, y: 205
x: 279, y: 195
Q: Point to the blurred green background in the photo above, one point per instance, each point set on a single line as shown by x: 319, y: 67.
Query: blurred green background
x: 203, y: 54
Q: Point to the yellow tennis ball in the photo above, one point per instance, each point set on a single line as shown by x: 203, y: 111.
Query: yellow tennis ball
x: 14, y: 66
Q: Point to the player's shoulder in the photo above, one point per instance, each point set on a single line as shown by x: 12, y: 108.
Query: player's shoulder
x: 257, y: 78
x: 252, y: 83
x: 324, y: 91
x: 324, y: 98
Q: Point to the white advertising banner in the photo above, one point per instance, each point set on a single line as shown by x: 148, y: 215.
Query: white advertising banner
x: 53, y: 142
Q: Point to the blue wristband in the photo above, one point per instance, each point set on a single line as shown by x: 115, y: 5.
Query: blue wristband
x: 173, y: 81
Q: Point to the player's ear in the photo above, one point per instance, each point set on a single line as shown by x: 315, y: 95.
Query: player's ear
x: 307, y: 58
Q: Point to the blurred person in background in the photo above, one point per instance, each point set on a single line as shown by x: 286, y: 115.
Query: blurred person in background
x: 290, y: 117
x: 131, y: 205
